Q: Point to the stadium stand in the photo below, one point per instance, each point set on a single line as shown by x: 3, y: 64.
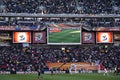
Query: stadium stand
x: 23, y: 59
x: 88, y: 13
x: 62, y: 6
x: 90, y: 7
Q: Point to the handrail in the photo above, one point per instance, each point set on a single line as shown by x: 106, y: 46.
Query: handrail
x: 39, y: 15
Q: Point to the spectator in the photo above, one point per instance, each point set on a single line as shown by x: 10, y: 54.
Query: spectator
x: 31, y: 58
x: 63, y: 6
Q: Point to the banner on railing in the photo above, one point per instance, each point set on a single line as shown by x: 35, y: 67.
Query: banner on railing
x: 17, y: 28
x: 107, y: 29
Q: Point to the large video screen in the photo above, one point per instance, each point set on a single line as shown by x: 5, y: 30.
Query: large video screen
x: 21, y: 37
x: 104, y: 37
x: 88, y: 37
x: 68, y: 35
x: 39, y: 37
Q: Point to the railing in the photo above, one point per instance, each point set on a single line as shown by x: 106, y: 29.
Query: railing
x: 37, y: 15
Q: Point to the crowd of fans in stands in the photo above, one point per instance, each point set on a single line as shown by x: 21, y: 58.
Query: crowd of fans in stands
x: 29, y: 58
x: 99, y: 6
x: 63, y: 6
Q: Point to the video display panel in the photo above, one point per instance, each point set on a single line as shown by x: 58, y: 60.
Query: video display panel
x: 104, y: 37
x: 117, y: 36
x: 5, y: 38
x: 39, y: 37
x: 88, y: 37
x: 21, y: 37
x: 68, y: 35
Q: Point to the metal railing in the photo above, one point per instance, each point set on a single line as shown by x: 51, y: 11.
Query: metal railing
x: 38, y: 15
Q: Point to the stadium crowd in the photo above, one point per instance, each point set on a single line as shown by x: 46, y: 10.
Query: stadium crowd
x: 30, y: 58
x: 63, y: 6
x: 99, y: 6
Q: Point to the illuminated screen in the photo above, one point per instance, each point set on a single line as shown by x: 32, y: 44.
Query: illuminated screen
x: 21, y: 37
x: 5, y: 38
x: 117, y: 37
x: 69, y: 35
x: 88, y: 37
x: 39, y: 37
x: 104, y: 37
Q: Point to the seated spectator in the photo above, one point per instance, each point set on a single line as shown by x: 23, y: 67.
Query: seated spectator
x: 63, y: 6
x: 32, y: 58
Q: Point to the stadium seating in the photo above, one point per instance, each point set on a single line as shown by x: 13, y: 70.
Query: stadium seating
x: 29, y: 58
x: 62, y: 6
x: 25, y: 58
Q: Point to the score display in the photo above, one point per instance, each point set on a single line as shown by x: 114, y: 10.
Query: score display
x: 68, y: 35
